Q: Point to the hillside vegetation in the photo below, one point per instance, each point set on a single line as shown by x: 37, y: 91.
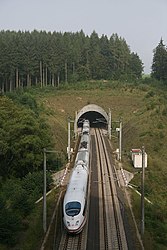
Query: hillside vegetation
x: 143, y: 109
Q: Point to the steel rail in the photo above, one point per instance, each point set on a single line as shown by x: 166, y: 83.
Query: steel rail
x: 103, y: 216
x: 113, y: 225
x: 121, y: 237
x: 108, y: 220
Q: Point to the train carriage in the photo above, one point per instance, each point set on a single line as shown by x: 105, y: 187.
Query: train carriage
x: 75, y: 200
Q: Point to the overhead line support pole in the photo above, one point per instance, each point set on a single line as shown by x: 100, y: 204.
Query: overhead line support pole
x: 142, y: 191
x: 44, y: 187
x: 109, y: 124
x: 69, y: 142
x: 120, y: 141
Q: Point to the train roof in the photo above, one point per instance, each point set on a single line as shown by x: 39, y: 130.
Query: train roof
x: 78, y: 177
x: 73, y: 196
x: 86, y: 124
x: 77, y: 184
x: 82, y: 155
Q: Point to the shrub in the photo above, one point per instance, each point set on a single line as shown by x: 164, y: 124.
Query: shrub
x: 150, y: 93
x: 10, y: 225
x: 155, y: 223
x: 33, y: 184
x: 164, y: 111
x: 25, y: 99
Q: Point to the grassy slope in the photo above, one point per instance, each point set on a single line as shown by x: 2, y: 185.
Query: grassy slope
x: 143, y: 109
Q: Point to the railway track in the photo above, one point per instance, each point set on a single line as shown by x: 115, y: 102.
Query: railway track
x: 70, y: 242
x: 105, y: 226
x: 73, y: 242
x: 112, y: 234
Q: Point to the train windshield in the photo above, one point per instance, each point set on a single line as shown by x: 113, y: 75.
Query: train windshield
x: 73, y: 208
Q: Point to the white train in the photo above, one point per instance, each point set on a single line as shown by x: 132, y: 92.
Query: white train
x: 75, y: 199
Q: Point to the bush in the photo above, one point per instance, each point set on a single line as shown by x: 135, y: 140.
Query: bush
x: 155, y: 223
x: 164, y: 111
x: 10, y: 225
x: 150, y: 93
x: 16, y: 197
x: 17, y: 200
x: 25, y: 137
x: 25, y: 99
x: 33, y: 184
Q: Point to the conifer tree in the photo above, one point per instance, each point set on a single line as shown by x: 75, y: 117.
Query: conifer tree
x: 159, y: 65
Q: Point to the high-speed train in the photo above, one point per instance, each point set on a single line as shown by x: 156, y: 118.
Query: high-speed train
x: 75, y: 199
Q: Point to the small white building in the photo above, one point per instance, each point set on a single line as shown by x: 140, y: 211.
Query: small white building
x: 136, y: 155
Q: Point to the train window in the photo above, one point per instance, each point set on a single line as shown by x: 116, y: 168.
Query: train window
x: 73, y: 208
x: 84, y: 144
x: 85, y: 133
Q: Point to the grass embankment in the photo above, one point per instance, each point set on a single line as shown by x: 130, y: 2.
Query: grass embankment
x: 143, y: 109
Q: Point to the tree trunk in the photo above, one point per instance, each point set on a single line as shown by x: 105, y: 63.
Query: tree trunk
x: 10, y: 85
x: 43, y: 76
x: 53, y: 79
x: 46, y: 75
x: 28, y: 79
x: 19, y: 82
x: 40, y: 66
x: 17, y: 78
x: 58, y: 80
x: 66, y: 81
x: 6, y: 85
x: 50, y: 78
x: 3, y: 89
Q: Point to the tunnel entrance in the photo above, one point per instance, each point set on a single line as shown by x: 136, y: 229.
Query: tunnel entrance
x: 96, y: 119
x: 95, y: 114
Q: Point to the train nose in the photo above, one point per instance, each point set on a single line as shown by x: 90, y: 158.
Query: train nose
x: 72, y: 224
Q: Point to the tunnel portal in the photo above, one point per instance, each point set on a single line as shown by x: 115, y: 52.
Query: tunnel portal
x: 95, y: 114
x: 96, y: 119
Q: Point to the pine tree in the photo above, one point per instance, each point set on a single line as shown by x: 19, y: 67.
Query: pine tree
x: 135, y: 66
x: 159, y: 65
x: 31, y: 58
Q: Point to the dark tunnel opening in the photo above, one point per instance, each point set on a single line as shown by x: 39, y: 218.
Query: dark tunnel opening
x: 96, y: 120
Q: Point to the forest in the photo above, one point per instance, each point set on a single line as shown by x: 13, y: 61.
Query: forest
x: 43, y: 58
x: 23, y: 135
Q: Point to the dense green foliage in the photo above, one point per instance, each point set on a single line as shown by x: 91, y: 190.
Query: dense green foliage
x: 29, y: 58
x: 17, y: 199
x: 159, y: 65
x: 23, y: 135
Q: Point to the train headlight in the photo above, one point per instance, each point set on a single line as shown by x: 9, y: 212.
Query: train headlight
x: 68, y: 223
x: 77, y: 222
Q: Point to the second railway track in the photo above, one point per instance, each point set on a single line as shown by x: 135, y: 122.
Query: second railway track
x: 112, y: 233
